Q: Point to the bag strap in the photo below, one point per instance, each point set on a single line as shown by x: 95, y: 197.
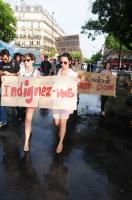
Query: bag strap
x: 32, y: 72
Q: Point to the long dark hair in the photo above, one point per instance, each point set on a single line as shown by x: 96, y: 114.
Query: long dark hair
x: 16, y: 55
x: 68, y: 56
x: 106, y: 64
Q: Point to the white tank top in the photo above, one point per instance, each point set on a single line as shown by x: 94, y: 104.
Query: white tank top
x: 33, y: 73
x: 70, y: 72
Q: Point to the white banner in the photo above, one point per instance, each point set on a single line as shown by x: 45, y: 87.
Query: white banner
x: 54, y: 92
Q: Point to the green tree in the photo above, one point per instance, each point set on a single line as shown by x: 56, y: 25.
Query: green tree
x: 7, y: 22
x: 52, y: 52
x: 86, y: 60
x: 111, y: 42
x: 76, y: 54
x: 96, y: 57
x: 114, y: 17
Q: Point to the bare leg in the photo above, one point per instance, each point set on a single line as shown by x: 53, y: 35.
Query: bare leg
x: 103, y: 102
x: 28, y: 121
x: 62, y: 134
x: 57, y: 122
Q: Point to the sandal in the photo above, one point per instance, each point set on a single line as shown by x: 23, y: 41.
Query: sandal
x: 26, y: 147
x: 59, y: 148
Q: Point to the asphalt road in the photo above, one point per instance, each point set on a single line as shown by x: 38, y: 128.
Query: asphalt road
x: 96, y: 163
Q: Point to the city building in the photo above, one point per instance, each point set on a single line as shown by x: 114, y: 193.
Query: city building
x: 36, y: 28
x: 112, y: 55
x: 67, y: 43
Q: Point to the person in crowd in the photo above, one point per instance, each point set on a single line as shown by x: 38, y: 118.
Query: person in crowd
x: 53, y: 68
x: 0, y: 58
x: 58, y: 65
x: 106, y: 70
x: 18, y: 58
x: 45, y: 66
x: 20, y: 111
x: 22, y: 58
x: 76, y: 65
x: 90, y: 67
x: 28, y: 71
x: 61, y: 116
x: 8, y: 67
x: 94, y: 67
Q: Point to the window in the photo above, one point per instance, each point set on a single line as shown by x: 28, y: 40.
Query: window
x: 28, y: 8
x: 23, y: 43
x: 31, y: 24
x: 31, y: 42
x: 16, y: 8
x: 38, y: 42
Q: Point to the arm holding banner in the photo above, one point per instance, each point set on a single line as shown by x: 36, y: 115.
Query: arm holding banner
x: 6, y: 73
x: 61, y: 116
x: 8, y: 67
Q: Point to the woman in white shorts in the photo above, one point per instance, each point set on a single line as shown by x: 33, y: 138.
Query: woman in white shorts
x: 28, y: 70
x: 61, y: 116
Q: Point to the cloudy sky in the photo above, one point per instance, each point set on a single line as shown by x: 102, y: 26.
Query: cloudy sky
x: 71, y: 15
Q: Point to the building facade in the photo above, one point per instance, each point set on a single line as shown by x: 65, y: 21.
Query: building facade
x: 112, y: 55
x: 67, y: 43
x: 36, y: 28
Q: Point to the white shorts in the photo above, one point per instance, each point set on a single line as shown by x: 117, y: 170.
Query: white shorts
x: 61, y: 114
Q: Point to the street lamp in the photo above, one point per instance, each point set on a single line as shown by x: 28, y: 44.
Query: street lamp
x: 52, y: 26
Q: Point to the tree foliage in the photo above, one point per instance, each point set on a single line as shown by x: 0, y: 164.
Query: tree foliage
x: 52, y: 52
x: 86, y: 60
x: 114, y: 17
x: 113, y: 43
x: 76, y: 54
x: 7, y: 22
x: 96, y: 57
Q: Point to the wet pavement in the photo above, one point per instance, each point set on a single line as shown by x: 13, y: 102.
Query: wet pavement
x: 96, y: 163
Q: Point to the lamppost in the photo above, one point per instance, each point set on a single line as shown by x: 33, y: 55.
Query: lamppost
x: 52, y: 26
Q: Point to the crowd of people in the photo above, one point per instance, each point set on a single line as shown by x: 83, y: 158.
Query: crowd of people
x: 23, y: 65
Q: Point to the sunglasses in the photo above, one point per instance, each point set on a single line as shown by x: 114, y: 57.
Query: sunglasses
x: 65, y: 63
x: 27, y: 60
x: 5, y: 59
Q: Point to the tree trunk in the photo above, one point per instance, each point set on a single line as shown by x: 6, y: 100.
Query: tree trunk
x: 119, y: 57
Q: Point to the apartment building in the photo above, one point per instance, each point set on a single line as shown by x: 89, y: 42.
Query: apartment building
x: 112, y: 55
x: 36, y: 28
x: 68, y: 43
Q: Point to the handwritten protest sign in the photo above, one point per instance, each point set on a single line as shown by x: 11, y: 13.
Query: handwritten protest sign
x: 64, y: 92
x: 97, y: 83
x: 54, y: 92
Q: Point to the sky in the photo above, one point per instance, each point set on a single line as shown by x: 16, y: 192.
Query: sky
x: 71, y: 15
